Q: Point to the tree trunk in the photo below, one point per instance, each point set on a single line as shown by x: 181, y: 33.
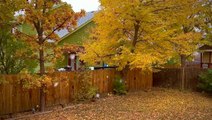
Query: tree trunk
x: 123, y: 74
x: 42, y: 98
x: 136, y: 30
x: 183, y: 63
x: 183, y: 60
x: 42, y: 89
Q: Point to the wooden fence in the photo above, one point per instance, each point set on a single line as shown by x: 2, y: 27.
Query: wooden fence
x: 172, y: 77
x: 137, y: 80
x: 14, y: 99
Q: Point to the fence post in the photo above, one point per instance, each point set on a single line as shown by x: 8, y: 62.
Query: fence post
x: 183, y: 78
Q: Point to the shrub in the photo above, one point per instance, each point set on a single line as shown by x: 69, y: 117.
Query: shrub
x: 119, y: 86
x: 85, y: 89
x: 205, y: 82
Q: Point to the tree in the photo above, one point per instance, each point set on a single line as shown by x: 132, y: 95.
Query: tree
x: 142, y: 34
x: 207, y: 17
x: 11, y: 53
x: 129, y: 33
x: 10, y: 47
x: 46, y: 17
x: 185, y: 23
x: 7, y: 11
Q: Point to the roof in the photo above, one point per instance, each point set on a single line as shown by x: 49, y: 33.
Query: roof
x: 206, y: 48
x: 88, y: 17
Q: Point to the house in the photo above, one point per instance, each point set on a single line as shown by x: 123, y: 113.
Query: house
x: 202, y: 58
x: 74, y: 40
x: 206, y: 56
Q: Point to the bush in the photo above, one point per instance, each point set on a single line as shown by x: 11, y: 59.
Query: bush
x: 85, y: 89
x: 205, y: 82
x: 119, y: 86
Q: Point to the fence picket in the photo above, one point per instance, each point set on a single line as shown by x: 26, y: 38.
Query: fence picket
x: 16, y: 99
x: 172, y: 77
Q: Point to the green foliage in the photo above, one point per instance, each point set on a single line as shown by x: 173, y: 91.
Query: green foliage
x: 85, y: 90
x: 119, y: 86
x: 12, y: 52
x: 206, y: 81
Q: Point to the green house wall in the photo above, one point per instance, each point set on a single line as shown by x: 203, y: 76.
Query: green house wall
x: 79, y: 36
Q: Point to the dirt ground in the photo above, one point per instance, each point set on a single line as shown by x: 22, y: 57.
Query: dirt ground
x: 158, y: 104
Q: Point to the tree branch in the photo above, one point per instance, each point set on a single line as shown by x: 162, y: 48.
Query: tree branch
x: 54, y: 30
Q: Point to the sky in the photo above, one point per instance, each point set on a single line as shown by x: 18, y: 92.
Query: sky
x: 87, y: 5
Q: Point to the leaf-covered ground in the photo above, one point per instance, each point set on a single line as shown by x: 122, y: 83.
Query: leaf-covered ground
x: 158, y: 104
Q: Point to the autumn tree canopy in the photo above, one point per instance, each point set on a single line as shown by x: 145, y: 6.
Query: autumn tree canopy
x: 7, y: 11
x: 45, y: 17
x: 185, y: 24
x: 141, y: 34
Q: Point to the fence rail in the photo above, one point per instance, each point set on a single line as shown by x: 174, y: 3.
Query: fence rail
x: 13, y: 98
x: 172, y: 77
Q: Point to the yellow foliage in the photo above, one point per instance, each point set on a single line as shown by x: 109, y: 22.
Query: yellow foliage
x: 142, y: 34
x: 30, y: 81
